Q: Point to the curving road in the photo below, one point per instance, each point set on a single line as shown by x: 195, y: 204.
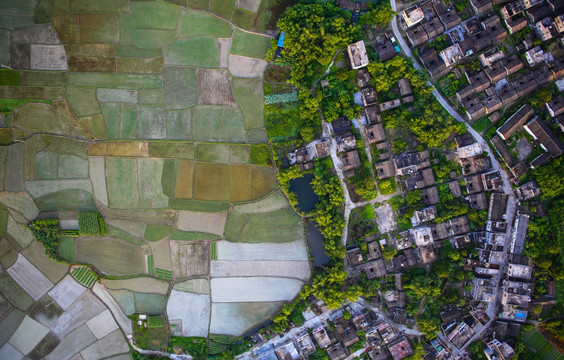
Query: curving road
x: 511, y: 204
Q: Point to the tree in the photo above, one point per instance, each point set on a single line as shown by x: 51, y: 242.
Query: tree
x: 550, y: 185
x: 414, y: 198
x: 428, y: 325
x: 389, y: 252
x: 476, y: 350
x: 314, y: 33
x: 378, y: 15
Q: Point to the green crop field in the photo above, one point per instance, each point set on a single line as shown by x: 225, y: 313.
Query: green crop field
x: 540, y: 346
x: 150, y: 265
x: 249, y: 44
x: 66, y: 249
x: 213, y: 251
x: 164, y: 274
x: 84, y: 275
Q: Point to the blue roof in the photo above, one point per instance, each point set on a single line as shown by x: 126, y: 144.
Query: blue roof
x: 281, y: 39
x: 397, y: 48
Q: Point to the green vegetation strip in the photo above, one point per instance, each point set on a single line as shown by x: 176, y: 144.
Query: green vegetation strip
x: 544, y: 350
x: 162, y: 273
x: 150, y: 264
x: 213, y: 251
x: 84, y: 275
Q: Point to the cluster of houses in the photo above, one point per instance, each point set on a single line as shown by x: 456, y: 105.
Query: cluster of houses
x: 337, y: 334
x: 525, y: 119
x: 501, y: 80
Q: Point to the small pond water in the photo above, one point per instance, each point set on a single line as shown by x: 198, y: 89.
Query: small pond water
x: 306, y: 197
x: 315, y: 241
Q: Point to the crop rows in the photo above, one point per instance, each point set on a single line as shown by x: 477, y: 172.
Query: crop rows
x: 84, y: 275
x: 213, y: 251
x: 150, y: 264
x: 162, y: 273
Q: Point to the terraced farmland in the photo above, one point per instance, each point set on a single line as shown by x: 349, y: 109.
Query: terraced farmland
x: 147, y: 113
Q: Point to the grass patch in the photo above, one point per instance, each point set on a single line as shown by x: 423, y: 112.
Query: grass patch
x: 65, y: 251
x: 213, y: 251
x: 198, y: 205
x: 150, y: 264
x: 3, y: 222
x: 191, y: 235
x: 9, y: 77
x: 540, y: 346
x: 367, y: 213
x: 482, y: 124
x: 244, y: 18
x: 249, y: 44
x: 9, y: 105
x: 156, y: 232
x: 260, y: 154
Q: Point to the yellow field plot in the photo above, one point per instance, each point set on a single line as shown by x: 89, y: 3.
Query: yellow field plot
x: 185, y: 179
x: 122, y: 148
x: 262, y: 181
x: 212, y: 223
x: 211, y: 182
x: 139, y: 284
x: 240, y: 183
x: 172, y: 149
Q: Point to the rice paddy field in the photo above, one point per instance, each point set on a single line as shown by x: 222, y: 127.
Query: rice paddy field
x: 148, y: 112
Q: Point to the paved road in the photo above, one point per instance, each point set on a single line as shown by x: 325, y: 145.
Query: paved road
x: 511, y: 204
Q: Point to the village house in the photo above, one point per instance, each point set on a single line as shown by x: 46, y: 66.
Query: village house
x: 555, y: 106
x: 337, y: 352
x: 432, y: 62
x: 388, y: 105
x: 385, y: 169
x: 306, y: 344
x: 354, y: 257
x: 538, y: 129
x: 492, y: 103
x: 458, y: 226
x: 492, y: 181
x: 450, y: 19
x: 493, y: 28
x: 463, y: 241
x: 496, y: 72
x: 408, y: 163
x: 474, y: 184
x: 363, y: 78
x: 422, y: 235
x: 478, y: 201
x: 528, y: 191
x: 369, y: 96
x: 287, y: 351
x: 346, y: 333
x: 371, y: 114
x: 474, y: 165
x: 357, y: 55
x: 497, y: 207
x: 525, y: 85
x: 374, y: 269
x: 375, y: 133
x: 385, y: 50
x: 545, y: 29
x: 490, y: 56
x: 512, y: 64
x: 455, y: 189
x: 419, y: 180
x: 465, y: 93
x: 350, y: 160
x: 474, y: 108
x: 340, y: 125
x: 559, y: 23
x: 515, y: 23
x: 543, y: 75
x: 430, y: 196
x: 321, y: 337
x: 515, y: 122
x: 538, y: 13
x: 412, y: 16
x: 503, y: 150
x: 497, y: 350
x: 451, y: 55
x: 345, y: 141
x: 511, y: 9
x: 426, y: 254
x: 508, y: 95
x: 400, y: 348
x: 534, y: 56
x: 481, y: 6
x: 405, y: 87
x: 417, y: 36
x: 520, y: 267
x: 556, y: 6
x: 519, y: 233
x: 433, y: 28
x: 479, y: 81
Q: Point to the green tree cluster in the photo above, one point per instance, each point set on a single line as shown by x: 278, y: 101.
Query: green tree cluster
x: 314, y: 33
x: 379, y: 14
x: 340, y: 102
x: 47, y: 232
x: 551, y: 185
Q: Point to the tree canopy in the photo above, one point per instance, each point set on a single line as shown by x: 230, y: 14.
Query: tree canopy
x: 378, y: 15
x: 314, y: 33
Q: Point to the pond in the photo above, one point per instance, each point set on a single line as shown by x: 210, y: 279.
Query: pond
x: 307, y: 198
x: 315, y: 241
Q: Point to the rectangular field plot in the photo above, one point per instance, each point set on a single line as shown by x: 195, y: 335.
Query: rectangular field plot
x: 249, y: 95
x: 191, y: 310
x: 84, y: 275
x: 257, y: 289
x: 235, y: 318
x: 212, y: 223
x: 273, y: 202
x: 216, y: 153
x: 73, y: 343
x: 542, y: 348
x: 110, y: 345
x: 290, y: 269
x: 193, y: 23
x: 121, y: 177
x: 250, y: 45
x: 154, y: 15
x: 29, y: 278
x: 295, y: 250
x: 66, y: 292
x: 172, y: 149
x: 239, y: 183
x: 262, y: 181
x: 110, y: 256
x: 184, y: 179
x: 150, y: 190
x: 140, y: 284
x: 12, y: 292
x: 35, y: 253
x: 189, y: 259
x: 180, y: 87
x: 218, y: 124
x: 83, y: 309
x: 202, y: 51
x: 211, y: 182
